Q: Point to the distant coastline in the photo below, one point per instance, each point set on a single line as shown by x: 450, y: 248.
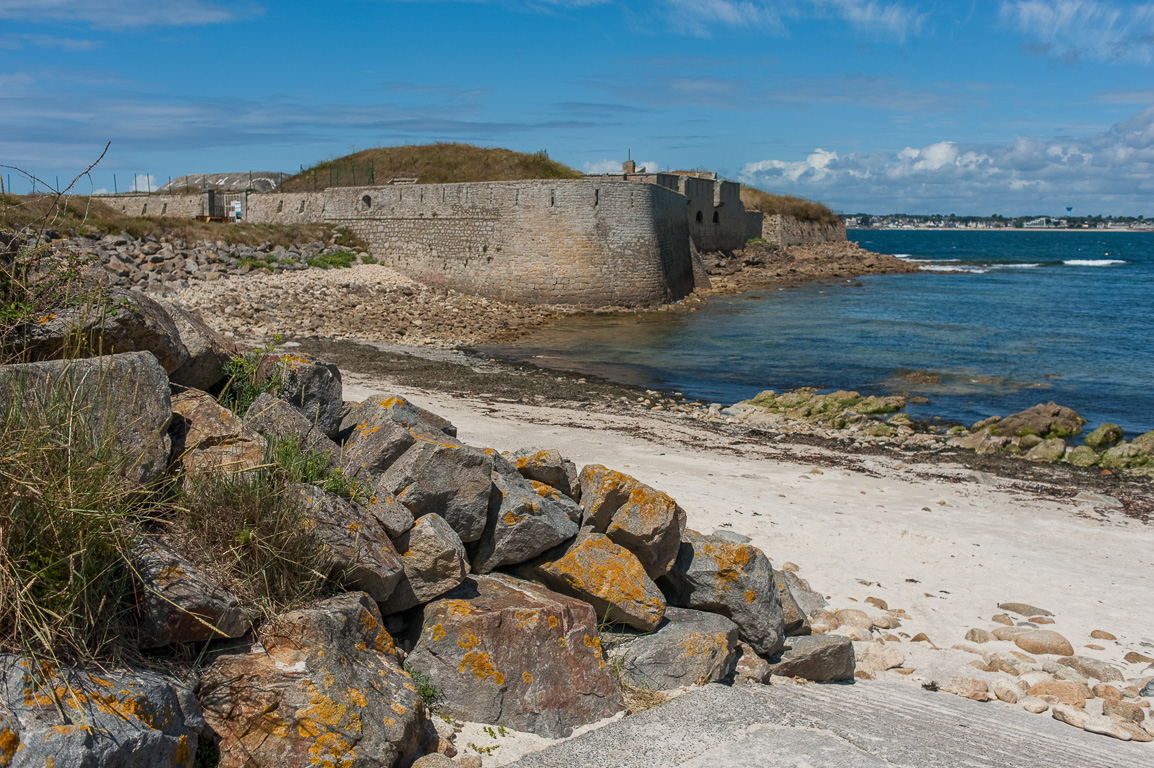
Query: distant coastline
x: 1144, y: 230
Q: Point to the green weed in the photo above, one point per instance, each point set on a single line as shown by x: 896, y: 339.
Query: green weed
x: 340, y: 259
x: 298, y: 464
x: 249, y: 378
x: 429, y: 693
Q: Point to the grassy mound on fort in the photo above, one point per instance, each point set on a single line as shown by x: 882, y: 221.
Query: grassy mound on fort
x: 787, y: 205
x: 440, y: 163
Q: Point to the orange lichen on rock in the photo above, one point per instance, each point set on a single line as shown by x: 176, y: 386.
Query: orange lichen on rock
x: 481, y: 666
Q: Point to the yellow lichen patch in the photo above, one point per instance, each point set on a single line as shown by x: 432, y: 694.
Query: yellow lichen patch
x: 696, y: 644
x: 553, y: 622
x: 47, y: 319
x: 437, y: 633
x: 750, y: 595
x: 183, y: 750
x: 384, y: 644
x: 511, y: 519
x: 168, y: 575
x: 369, y: 621
x: 398, y: 708
x: 467, y: 642
x: 390, y: 402
x: 593, y: 642
x: 458, y: 607
x: 409, y: 687
x: 353, y: 527
x: 561, y: 642
x: 320, y: 713
x: 388, y: 721
x: 481, y: 666
x: 545, y: 491
x: 331, y: 751
x: 526, y: 677
x: 295, y: 360
x: 524, y: 619
x: 9, y: 746
x: 360, y: 646
x: 357, y: 697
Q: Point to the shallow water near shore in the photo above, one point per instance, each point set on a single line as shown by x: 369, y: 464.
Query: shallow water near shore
x: 994, y: 323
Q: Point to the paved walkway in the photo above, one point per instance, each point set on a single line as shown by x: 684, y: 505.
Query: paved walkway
x: 831, y: 726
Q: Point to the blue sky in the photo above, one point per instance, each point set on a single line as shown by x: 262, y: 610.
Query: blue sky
x: 868, y: 105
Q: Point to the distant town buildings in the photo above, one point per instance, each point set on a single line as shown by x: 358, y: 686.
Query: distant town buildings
x: 939, y: 221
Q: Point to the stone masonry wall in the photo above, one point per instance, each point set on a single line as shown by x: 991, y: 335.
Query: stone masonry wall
x: 784, y: 231
x: 286, y: 208
x: 179, y: 206
x: 585, y: 242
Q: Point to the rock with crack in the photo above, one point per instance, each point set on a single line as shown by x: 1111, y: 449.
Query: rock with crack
x: 526, y: 518
x: 689, y: 648
x: 208, y: 438
x: 507, y: 651
x: 118, y: 717
x: 208, y: 351
x: 179, y: 603
x: 321, y: 686
x: 548, y: 466
x: 276, y: 420
x: 608, y: 577
x: 645, y: 521
x: 359, y: 550
x: 796, y: 622
x: 433, y: 560
x: 311, y: 386
x: 735, y: 580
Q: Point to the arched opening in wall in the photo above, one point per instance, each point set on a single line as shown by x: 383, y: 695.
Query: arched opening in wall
x: 552, y: 198
x: 144, y: 210
x: 716, y: 217
x: 366, y: 202
x: 700, y: 217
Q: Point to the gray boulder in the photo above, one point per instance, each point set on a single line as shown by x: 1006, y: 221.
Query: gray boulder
x: 321, y: 686
x: 179, y: 603
x: 445, y: 478
x: 121, y: 400
x: 734, y: 580
x: 356, y: 542
x: 433, y: 559
x: 275, y: 419
x: 796, y: 622
x: 820, y: 658
x: 119, y: 717
x: 208, y: 352
x: 1092, y: 668
x: 122, y: 321
x: 523, y: 521
x: 1105, y: 436
x: 548, y: 466
x: 808, y: 599
x: 689, y: 648
x: 311, y: 386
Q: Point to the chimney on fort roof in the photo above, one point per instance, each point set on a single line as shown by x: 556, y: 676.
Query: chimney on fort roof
x: 629, y: 167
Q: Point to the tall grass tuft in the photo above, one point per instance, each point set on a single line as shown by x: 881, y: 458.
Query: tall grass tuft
x: 65, y: 514
x: 787, y: 205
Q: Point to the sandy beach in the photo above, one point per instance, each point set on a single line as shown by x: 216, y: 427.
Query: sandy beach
x: 942, y: 543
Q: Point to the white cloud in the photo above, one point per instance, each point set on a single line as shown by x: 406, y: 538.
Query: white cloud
x: 144, y: 182
x: 1109, y: 171
x: 614, y: 166
x: 1075, y: 29
x: 123, y: 13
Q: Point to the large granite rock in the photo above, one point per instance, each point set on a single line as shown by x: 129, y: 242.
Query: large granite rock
x: 121, y: 400
x: 208, y: 351
x: 209, y: 438
x: 735, y: 580
x: 820, y: 658
x: 277, y: 420
x: 512, y: 652
x: 118, y: 717
x: 446, y: 478
x: 608, y: 577
x: 645, y: 521
x: 548, y: 466
x: 796, y: 621
x: 525, y: 520
x: 1105, y: 436
x: 122, y: 321
x: 311, y: 386
x: 321, y: 686
x: 1047, y: 420
x: 179, y: 603
x: 356, y: 542
x: 433, y: 559
x: 689, y: 648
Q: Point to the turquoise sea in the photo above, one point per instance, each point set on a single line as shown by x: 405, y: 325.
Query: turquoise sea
x: 995, y: 322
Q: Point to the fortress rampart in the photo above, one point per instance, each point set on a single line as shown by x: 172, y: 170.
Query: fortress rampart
x: 621, y: 239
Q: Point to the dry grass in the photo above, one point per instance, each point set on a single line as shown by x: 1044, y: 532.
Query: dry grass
x: 787, y: 205
x: 440, y: 163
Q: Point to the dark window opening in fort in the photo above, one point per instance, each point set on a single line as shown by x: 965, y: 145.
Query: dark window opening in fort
x: 164, y: 209
x: 367, y: 201
x: 302, y: 207
x: 279, y: 206
x: 716, y: 217
x: 144, y: 210
x: 700, y: 218
x: 552, y: 199
x: 596, y: 197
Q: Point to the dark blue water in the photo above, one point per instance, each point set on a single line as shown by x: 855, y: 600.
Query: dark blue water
x: 1026, y: 317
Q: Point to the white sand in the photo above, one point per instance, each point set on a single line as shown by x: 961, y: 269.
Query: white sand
x: 929, y: 539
